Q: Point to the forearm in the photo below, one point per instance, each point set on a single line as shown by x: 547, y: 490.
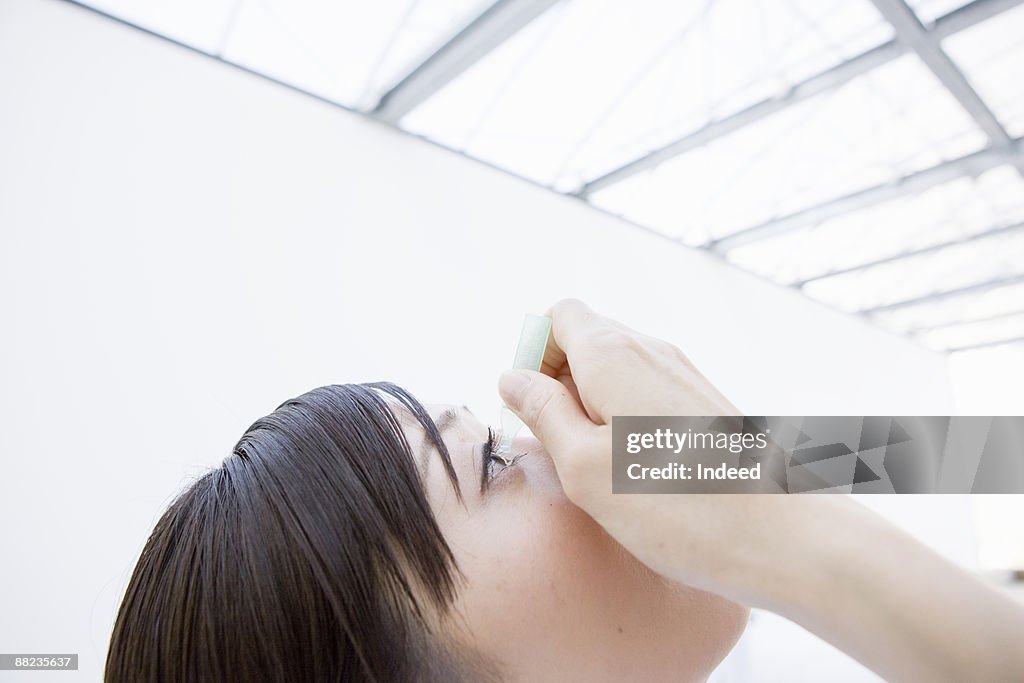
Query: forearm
x: 897, y: 607
x: 821, y: 560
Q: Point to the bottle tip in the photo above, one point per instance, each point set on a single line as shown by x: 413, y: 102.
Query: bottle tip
x: 510, y: 426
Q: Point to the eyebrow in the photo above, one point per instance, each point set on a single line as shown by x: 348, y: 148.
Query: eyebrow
x: 447, y: 419
x: 443, y: 423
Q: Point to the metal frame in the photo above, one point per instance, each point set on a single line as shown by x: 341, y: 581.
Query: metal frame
x: 815, y: 85
x: 912, y: 33
x: 968, y: 321
x: 995, y: 232
x: 494, y: 26
x: 986, y: 345
x: 947, y: 25
x: 970, y: 165
x: 976, y: 288
x: 504, y: 18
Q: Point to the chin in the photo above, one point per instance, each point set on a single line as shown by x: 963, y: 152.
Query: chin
x: 688, y: 630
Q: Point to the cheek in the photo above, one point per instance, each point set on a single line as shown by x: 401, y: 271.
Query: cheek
x: 533, y: 565
x: 544, y: 580
x: 535, y: 560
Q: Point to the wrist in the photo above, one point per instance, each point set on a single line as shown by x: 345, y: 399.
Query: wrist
x: 803, y: 549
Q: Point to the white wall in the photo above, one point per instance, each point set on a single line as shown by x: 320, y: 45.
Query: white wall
x: 987, y: 381
x: 184, y: 245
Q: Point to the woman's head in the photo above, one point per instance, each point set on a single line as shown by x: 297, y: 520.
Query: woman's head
x: 355, y: 535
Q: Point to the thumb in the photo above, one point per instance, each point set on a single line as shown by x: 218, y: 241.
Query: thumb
x: 545, y: 406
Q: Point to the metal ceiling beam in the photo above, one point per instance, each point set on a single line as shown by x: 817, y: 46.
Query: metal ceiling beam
x: 966, y: 239
x: 967, y: 321
x: 971, y: 14
x: 969, y: 165
x: 912, y: 33
x: 947, y: 25
x: 987, y: 344
x: 827, y: 80
x: 498, y: 23
x: 977, y: 288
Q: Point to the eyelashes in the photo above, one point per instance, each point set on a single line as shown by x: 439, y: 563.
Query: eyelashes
x: 489, y: 467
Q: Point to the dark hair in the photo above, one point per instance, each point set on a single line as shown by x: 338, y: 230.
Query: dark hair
x: 310, y: 554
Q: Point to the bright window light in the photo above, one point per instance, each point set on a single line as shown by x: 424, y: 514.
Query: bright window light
x: 951, y: 211
x: 991, y: 304
x: 595, y: 83
x: 200, y: 23
x: 967, y: 264
x: 591, y: 85
x: 999, y: 520
x: 350, y: 52
x: 893, y: 121
x: 991, y: 55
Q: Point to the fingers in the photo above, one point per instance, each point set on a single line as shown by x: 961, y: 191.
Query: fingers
x: 547, y: 407
x: 571, y: 322
x: 578, y: 349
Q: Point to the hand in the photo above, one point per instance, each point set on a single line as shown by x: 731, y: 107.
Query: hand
x: 595, y: 368
x: 824, y: 561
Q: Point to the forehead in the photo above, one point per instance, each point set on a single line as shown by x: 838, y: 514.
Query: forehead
x: 448, y: 418
x: 456, y: 426
x: 441, y: 415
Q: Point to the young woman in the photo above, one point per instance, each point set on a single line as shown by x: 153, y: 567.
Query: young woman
x: 356, y: 536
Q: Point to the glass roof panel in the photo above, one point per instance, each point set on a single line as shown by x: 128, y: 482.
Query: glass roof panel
x: 930, y: 10
x: 199, y: 23
x: 960, y: 266
x: 881, y: 126
x: 350, y: 52
x: 948, y: 212
x: 594, y: 83
x: 991, y: 55
x: 966, y: 307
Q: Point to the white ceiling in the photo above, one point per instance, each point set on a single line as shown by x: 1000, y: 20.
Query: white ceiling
x: 869, y: 179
